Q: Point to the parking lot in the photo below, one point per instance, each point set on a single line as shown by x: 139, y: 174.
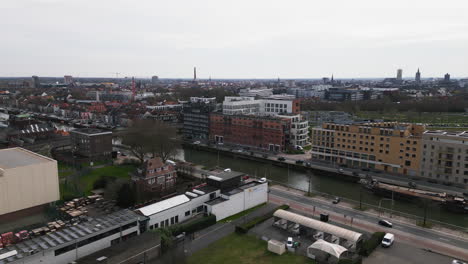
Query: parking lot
x: 405, y: 253
x: 267, y: 230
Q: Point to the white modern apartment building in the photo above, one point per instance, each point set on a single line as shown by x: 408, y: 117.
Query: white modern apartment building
x: 236, y: 105
x: 283, y: 106
x: 299, y: 133
x: 444, y: 157
x: 260, y: 92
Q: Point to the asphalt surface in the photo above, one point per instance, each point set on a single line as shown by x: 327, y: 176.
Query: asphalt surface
x: 357, y: 215
x: 405, y: 253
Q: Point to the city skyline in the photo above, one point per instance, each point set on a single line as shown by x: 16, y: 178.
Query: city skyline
x: 259, y: 40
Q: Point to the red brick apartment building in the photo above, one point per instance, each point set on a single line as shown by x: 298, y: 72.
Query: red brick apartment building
x: 156, y: 176
x: 268, y: 133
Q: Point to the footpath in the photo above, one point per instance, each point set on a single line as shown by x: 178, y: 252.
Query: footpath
x: 430, y: 245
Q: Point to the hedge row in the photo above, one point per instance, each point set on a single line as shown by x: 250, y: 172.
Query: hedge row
x: 369, y: 245
x: 244, y: 228
x: 194, y: 226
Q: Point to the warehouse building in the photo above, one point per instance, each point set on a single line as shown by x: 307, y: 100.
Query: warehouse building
x: 28, y: 182
x: 225, y: 194
x: 237, y: 200
x: 74, y: 242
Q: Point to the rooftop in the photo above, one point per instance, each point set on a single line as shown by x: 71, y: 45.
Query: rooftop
x: 91, y: 131
x: 163, y: 205
x: 19, y: 157
x: 463, y: 134
x: 69, y: 235
x: 226, y: 175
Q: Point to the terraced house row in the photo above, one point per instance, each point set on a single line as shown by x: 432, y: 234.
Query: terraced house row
x: 393, y: 147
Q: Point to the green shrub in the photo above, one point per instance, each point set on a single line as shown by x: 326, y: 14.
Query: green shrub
x: 194, y: 226
x: 244, y: 228
x: 369, y: 245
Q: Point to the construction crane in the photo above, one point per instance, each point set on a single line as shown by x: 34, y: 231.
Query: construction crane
x: 116, y: 74
x: 133, y: 89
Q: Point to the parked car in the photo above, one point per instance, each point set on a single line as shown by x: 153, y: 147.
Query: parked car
x: 299, y: 161
x: 263, y: 179
x: 196, y: 143
x: 281, y: 159
x: 388, y: 240
x: 308, y: 164
x: 299, y: 148
x: 456, y: 261
x: 265, y: 156
x: 385, y: 223
x: 412, y: 184
x: 336, y: 200
x: 289, y: 242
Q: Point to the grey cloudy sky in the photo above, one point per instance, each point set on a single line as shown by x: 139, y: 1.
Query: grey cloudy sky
x: 233, y: 39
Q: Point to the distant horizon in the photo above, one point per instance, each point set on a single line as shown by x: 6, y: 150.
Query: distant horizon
x: 260, y: 39
x: 190, y: 79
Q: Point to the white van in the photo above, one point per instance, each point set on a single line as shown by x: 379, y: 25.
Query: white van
x: 388, y: 240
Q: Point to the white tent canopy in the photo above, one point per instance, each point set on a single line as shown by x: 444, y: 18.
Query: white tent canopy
x: 330, y: 248
x: 337, y: 231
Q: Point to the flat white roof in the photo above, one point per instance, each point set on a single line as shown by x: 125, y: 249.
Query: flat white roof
x: 215, y: 178
x: 164, y: 205
x: 318, y: 225
x: 19, y: 157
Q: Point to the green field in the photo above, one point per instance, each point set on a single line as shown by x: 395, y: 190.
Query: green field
x: 87, y: 180
x: 82, y: 184
x: 245, y: 249
x: 415, y: 117
x: 241, y: 214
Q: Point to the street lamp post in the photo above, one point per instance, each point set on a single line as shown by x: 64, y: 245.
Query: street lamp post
x: 383, y: 199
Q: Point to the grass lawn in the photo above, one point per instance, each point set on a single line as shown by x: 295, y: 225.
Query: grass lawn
x: 244, y: 249
x: 239, y: 215
x: 122, y: 171
x: 414, y: 117
x: 63, y: 174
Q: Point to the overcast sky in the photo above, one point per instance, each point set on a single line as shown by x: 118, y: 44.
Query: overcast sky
x: 233, y: 39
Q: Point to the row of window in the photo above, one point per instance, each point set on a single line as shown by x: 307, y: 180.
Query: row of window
x: 175, y: 219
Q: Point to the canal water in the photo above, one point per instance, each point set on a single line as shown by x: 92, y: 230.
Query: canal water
x: 320, y: 183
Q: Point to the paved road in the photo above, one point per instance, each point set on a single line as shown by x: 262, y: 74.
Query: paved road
x: 456, y: 246
x: 406, y: 253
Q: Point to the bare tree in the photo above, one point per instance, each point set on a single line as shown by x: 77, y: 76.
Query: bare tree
x: 151, y: 137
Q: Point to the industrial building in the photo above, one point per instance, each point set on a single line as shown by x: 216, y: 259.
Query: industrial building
x: 74, y: 242
x: 225, y: 194
x: 28, y: 182
x: 92, y: 143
